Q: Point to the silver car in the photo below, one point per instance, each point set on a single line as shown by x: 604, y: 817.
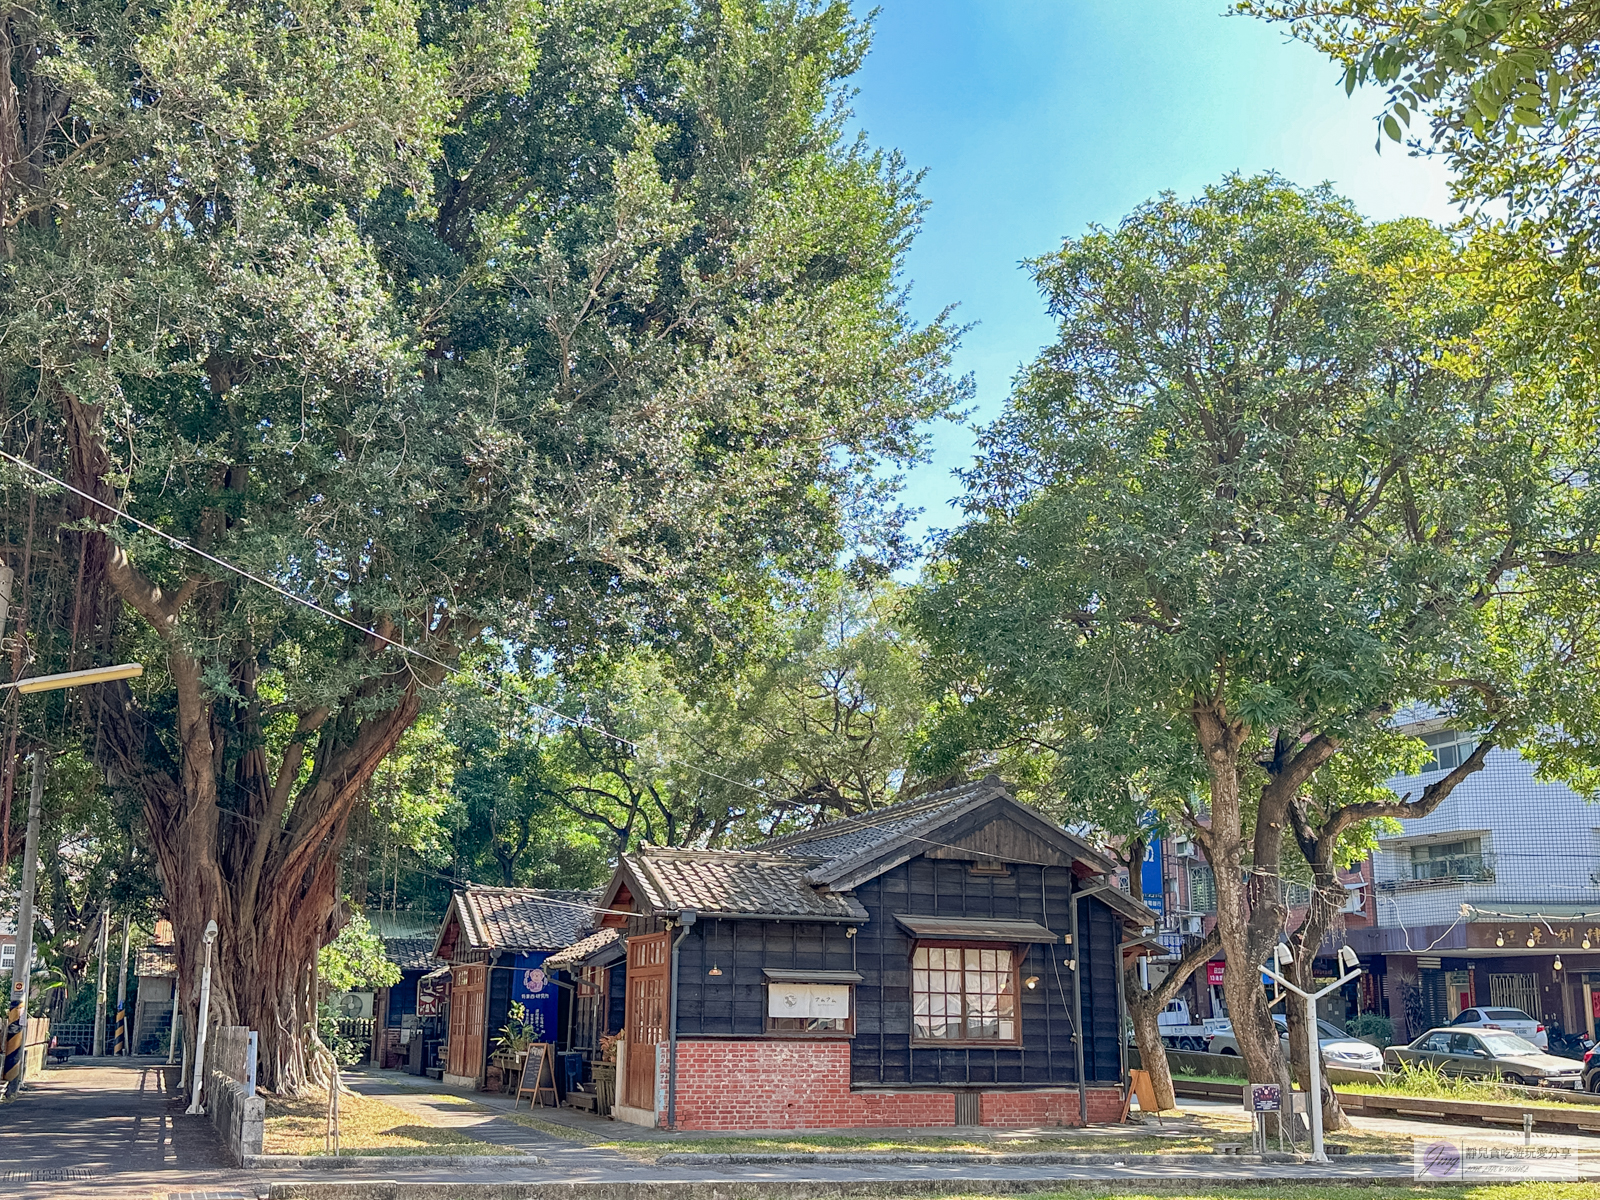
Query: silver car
x: 1514, y: 1020
x: 1339, y: 1049
x: 1486, y: 1054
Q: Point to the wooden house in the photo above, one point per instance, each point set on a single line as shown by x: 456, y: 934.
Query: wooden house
x: 398, y: 1018
x: 951, y: 960
x: 496, y: 941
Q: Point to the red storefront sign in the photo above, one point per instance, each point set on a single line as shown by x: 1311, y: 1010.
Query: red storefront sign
x: 1214, y: 973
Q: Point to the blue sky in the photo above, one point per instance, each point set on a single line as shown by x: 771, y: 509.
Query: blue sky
x: 1035, y: 118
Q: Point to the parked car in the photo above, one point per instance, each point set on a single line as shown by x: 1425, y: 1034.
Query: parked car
x: 1485, y: 1053
x: 1339, y: 1049
x: 1591, y: 1070
x: 1513, y: 1020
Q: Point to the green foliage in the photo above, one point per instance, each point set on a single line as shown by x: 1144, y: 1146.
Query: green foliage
x: 354, y: 960
x: 1488, y: 69
x: 1373, y: 1027
x: 515, y: 1035
x: 348, y: 1050
x: 575, y: 328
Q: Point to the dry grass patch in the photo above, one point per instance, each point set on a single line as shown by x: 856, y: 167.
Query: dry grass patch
x: 366, y: 1126
x: 1269, y: 1189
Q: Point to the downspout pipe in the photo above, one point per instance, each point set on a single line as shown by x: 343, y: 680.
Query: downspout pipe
x: 1077, y: 1011
x: 1077, y: 994
x: 686, y: 918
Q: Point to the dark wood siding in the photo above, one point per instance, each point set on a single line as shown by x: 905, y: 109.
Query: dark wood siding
x: 498, y: 1009
x: 883, y: 1054
x: 1099, y: 927
x: 733, y: 1003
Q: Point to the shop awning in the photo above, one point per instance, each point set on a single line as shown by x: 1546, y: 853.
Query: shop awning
x: 975, y: 929
x: 784, y: 976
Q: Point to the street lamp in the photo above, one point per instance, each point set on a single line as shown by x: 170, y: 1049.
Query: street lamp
x: 16, y: 1033
x: 1282, y: 957
x: 194, y: 1109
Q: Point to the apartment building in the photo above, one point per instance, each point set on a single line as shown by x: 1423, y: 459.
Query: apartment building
x: 1492, y: 899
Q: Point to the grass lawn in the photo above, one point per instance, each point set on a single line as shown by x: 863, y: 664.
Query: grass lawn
x: 366, y: 1126
x: 1465, y: 1090
x: 1277, y: 1190
x: 1197, y: 1133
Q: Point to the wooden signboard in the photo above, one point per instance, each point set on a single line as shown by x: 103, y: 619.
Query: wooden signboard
x: 539, y: 1066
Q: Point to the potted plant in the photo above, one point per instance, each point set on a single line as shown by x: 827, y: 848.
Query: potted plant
x: 515, y: 1035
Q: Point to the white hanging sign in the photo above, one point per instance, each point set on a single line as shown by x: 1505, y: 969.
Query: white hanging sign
x: 808, y: 1000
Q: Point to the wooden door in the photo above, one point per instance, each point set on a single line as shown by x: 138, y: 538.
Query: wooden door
x: 645, y: 1016
x: 466, y: 1020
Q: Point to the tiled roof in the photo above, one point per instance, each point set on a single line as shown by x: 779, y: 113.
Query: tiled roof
x: 410, y: 954
x: 574, y: 955
x: 737, y: 881
x: 853, y: 835
x: 523, y: 918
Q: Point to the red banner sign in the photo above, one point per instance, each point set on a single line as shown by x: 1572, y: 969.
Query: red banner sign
x: 1214, y: 973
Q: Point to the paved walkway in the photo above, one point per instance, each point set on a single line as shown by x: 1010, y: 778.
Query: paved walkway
x: 101, y: 1127
x: 1578, y: 1143
x: 113, y: 1131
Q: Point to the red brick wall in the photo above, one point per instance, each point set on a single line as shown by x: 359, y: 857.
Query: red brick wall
x: 785, y: 1084
x: 1058, y: 1106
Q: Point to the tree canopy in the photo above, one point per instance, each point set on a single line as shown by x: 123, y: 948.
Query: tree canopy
x: 1267, y: 492
x: 578, y: 327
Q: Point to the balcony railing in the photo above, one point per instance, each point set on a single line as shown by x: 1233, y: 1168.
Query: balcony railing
x: 1443, y: 872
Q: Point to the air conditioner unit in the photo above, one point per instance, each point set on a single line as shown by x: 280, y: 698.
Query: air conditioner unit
x: 1194, y: 924
x: 353, y: 1006
x: 1182, y: 847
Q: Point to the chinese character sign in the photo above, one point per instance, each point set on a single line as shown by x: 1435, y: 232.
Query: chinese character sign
x: 1150, y: 877
x: 536, y: 992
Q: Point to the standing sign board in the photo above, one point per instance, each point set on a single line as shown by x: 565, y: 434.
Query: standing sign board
x: 1266, y: 1097
x: 538, y: 1081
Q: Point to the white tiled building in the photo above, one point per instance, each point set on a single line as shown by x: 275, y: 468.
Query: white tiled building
x: 1523, y: 857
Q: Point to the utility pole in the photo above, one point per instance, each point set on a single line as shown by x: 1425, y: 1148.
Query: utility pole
x: 17, y: 1016
x: 100, y: 983
x: 123, y: 1046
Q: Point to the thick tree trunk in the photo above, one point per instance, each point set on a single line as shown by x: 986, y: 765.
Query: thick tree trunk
x: 1142, y: 1010
x: 1240, y: 919
x: 251, y: 845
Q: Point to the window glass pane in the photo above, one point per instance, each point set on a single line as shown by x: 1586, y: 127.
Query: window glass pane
x: 963, y: 993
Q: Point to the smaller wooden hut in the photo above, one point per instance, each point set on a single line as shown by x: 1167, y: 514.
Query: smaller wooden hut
x: 496, y: 941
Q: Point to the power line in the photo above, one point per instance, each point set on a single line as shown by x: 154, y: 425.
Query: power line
x: 356, y: 625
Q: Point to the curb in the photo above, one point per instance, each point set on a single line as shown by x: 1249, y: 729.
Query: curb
x: 754, y: 1189
x: 1045, y: 1159
x: 369, y: 1162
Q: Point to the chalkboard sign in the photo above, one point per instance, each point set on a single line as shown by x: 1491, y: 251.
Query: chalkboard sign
x: 536, y: 1068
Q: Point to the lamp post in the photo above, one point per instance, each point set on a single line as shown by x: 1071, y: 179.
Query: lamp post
x: 16, y: 1034
x: 1282, y: 957
x: 194, y: 1108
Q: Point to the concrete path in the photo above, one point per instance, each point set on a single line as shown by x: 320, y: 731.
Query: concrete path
x: 1577, y: 1143
x: 102, y: 1129
x: 112, y: 1131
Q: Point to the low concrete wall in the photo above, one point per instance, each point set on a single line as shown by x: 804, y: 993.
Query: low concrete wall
x: 236, y: 1112
x: 240, y: 1118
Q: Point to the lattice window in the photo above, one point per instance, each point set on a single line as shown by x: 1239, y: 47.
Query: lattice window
x: 964, y: 994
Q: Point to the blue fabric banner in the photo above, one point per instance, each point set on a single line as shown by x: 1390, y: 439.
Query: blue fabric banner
x: 536, y: 992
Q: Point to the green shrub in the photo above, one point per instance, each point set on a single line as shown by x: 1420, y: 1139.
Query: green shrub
x: 1374, y: 1027
x: 1427, y: 1081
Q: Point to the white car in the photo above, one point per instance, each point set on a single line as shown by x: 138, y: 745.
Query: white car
x: 1513, y: 1020
x: 1339, y: 1049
